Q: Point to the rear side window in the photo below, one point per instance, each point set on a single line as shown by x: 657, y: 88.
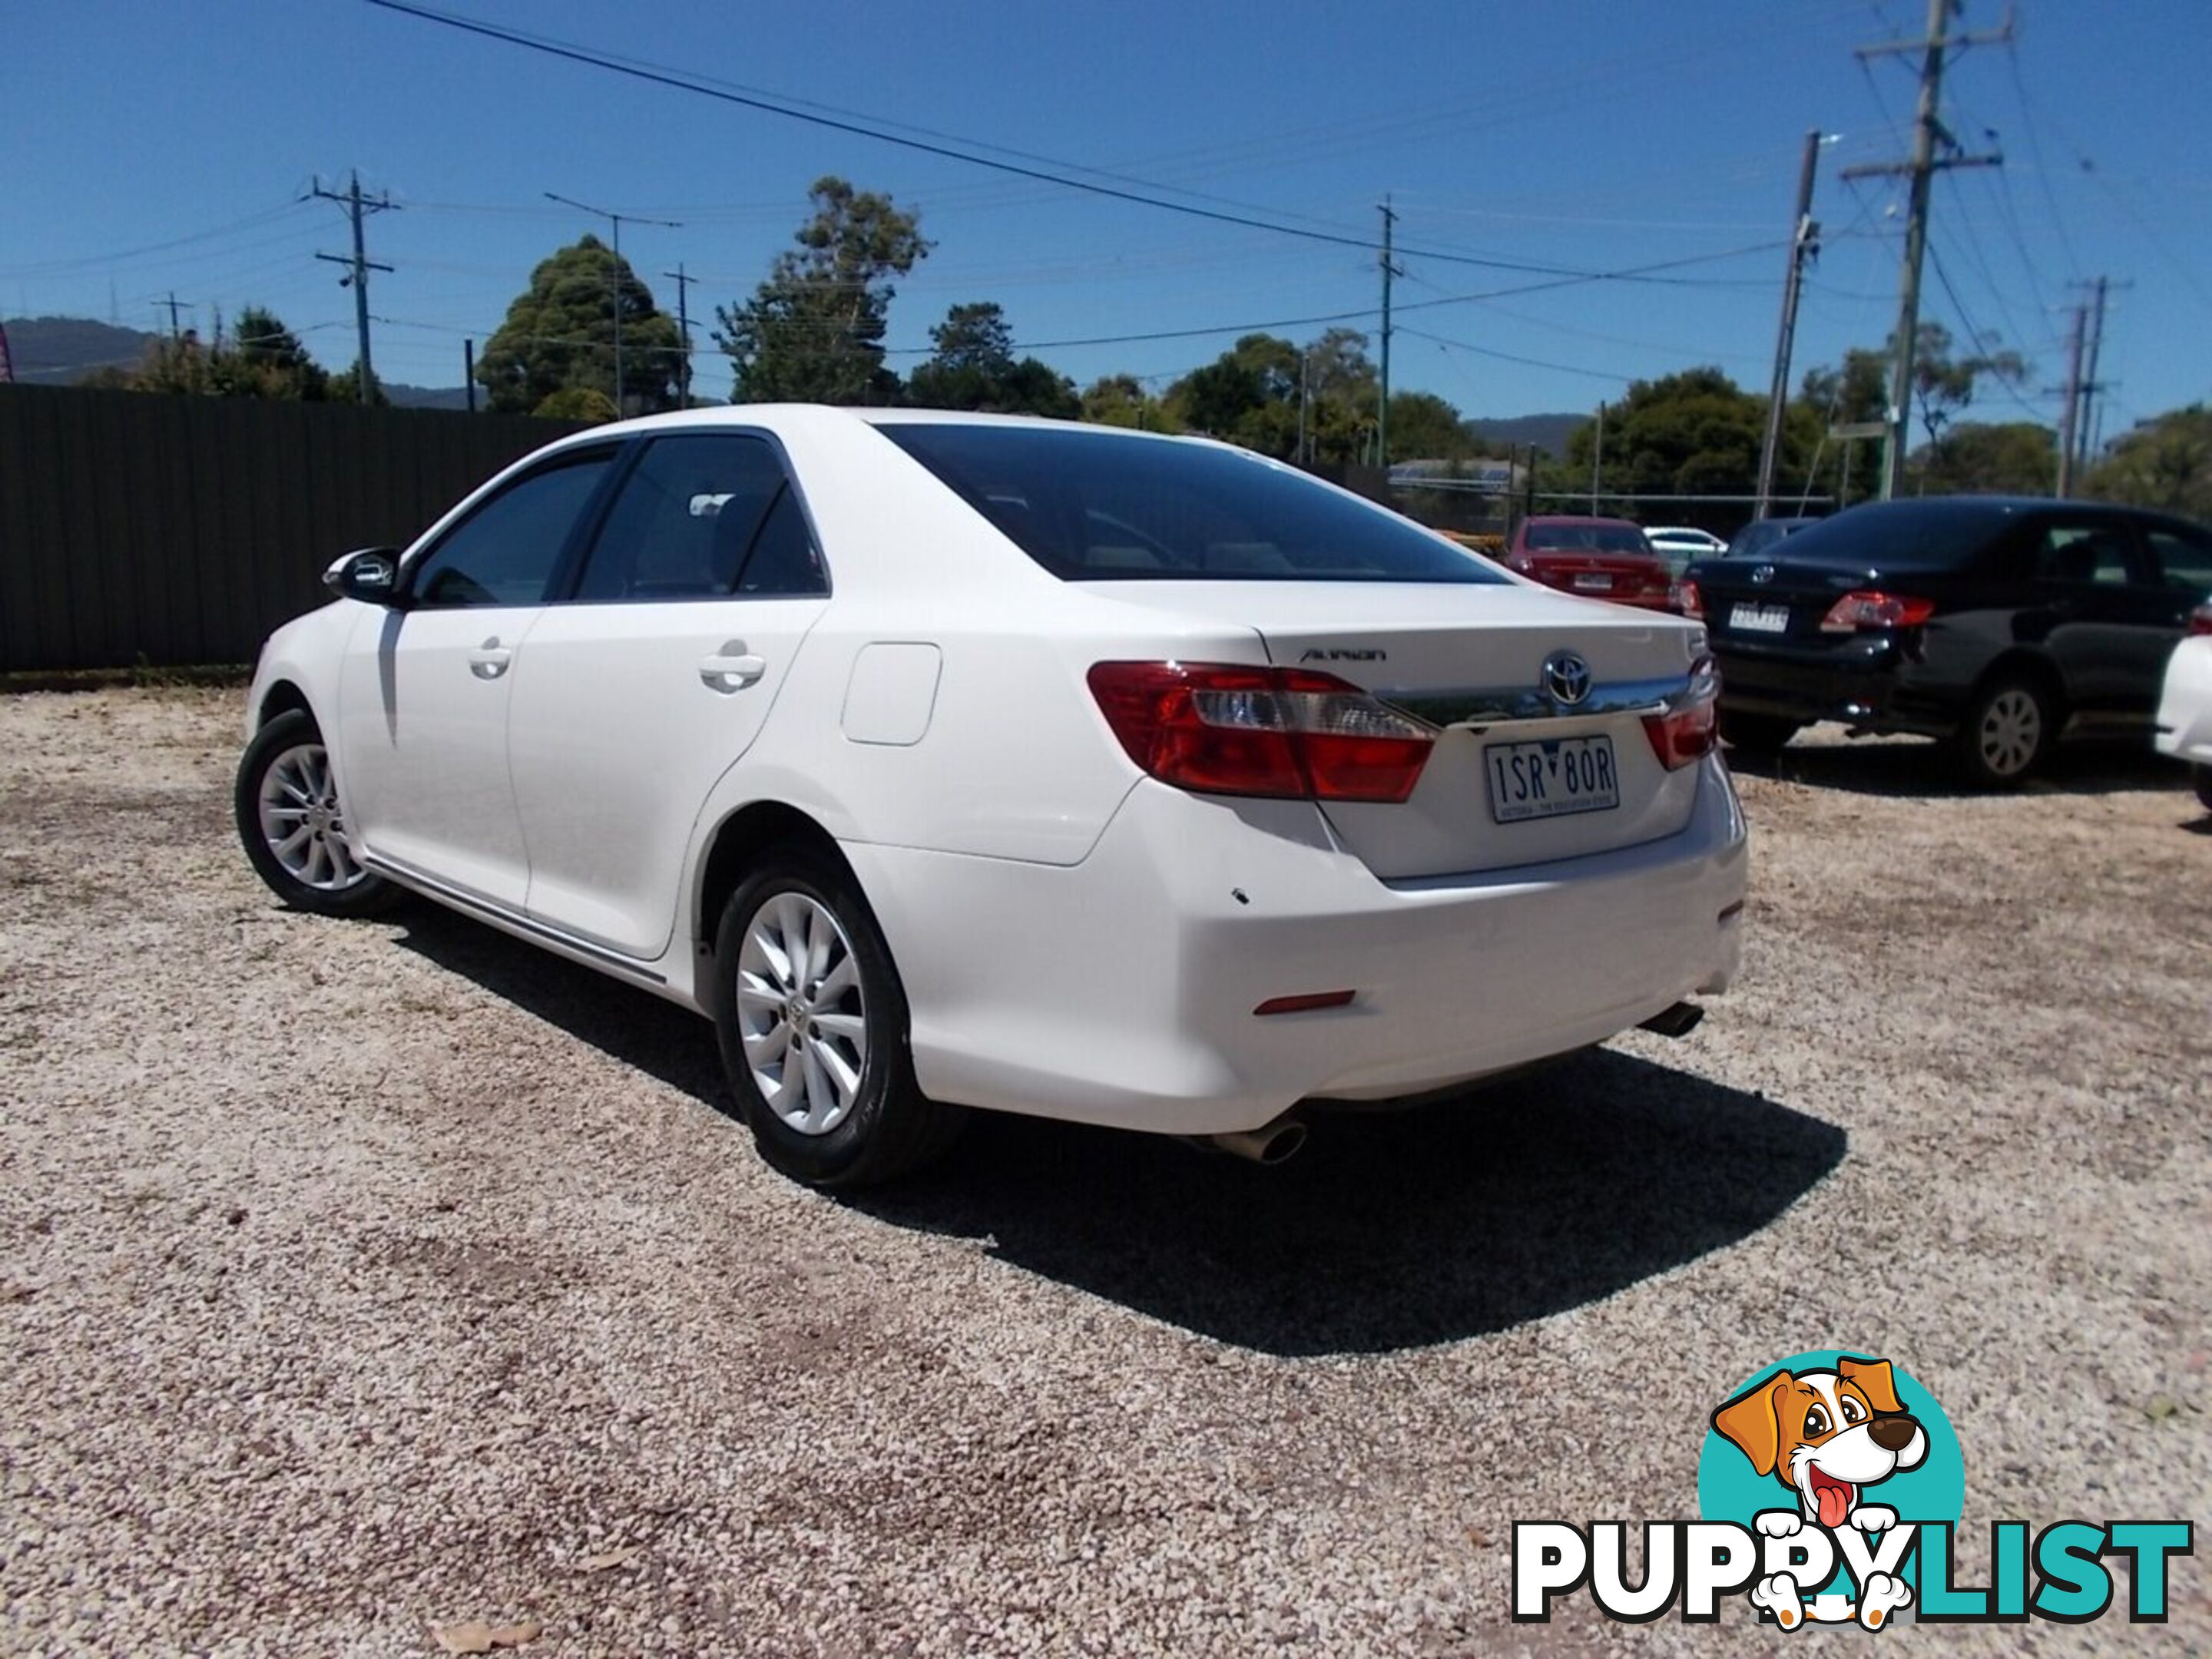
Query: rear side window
x: 2097, y: 554
x: 506, y: 551
x: 1091, y: 506
x: 685, y: 520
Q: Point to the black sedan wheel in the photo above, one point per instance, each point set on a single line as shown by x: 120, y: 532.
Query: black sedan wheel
x: 2007, y: 733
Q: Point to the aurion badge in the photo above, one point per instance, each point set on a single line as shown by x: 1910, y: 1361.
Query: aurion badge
x: 1565, y: 678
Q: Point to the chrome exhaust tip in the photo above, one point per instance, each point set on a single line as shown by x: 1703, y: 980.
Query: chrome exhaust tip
x: 1270, y: 1144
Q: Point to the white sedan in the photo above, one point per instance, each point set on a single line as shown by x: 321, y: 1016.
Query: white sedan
x: 2184, y: 709
x: 947, y: 762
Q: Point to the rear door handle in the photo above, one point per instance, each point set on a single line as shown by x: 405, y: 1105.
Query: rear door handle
x: 489, y: 661
x: 731, y: 669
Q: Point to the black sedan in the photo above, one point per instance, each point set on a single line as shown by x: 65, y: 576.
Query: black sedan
x: 1998, y: 624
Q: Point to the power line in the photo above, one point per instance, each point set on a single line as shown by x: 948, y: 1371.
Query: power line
x: 680, y: 82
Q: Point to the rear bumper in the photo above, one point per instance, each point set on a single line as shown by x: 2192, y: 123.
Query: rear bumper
x: 1120, y: 990
x: 1869, y: 686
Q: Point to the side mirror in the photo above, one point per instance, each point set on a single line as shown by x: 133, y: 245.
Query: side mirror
x: 371, y: 575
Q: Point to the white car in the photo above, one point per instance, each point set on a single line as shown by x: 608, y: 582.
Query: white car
x: 1679, y: 544
x: 2184, y: 708
x: 947, y: 761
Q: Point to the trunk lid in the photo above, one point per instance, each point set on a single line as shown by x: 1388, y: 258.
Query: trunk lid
x: 1469, y: 659
x: 1600, y: 575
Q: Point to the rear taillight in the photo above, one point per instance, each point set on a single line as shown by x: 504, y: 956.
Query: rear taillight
x: 1869, y: 608
x: 1688, y: 726
x: 1222, y: 729
x: 1687, y: 599
x: 2200, y: 620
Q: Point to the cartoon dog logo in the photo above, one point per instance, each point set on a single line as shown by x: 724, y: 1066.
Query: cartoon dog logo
x: 1826, y: 1436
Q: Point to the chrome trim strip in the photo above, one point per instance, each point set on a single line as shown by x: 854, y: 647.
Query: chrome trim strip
x: 410, y: 877
x: 1514, y: 705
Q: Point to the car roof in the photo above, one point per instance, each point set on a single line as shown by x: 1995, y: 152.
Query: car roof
x: 1579, y: 518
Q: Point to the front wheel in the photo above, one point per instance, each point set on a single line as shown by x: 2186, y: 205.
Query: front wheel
x: 2007, y: 733
x: 293, y: 824
x: 812, y: 1024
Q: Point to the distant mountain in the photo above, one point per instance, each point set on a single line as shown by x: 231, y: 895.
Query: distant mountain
x: 59, y: 350
x: 425, y: 396
x: 1547, y: 432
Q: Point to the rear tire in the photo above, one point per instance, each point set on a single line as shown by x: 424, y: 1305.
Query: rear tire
x: 2007, y: 733
x: 1758, y: 734
x: 293, y: 825
x: 812, y: 1024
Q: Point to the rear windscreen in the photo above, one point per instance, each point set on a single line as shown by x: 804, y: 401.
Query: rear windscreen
x: 1584, y: 538
x: 1093, y: 506
x: 1898, y: 536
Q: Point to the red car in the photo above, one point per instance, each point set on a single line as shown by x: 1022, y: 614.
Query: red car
x: 1598, y: 558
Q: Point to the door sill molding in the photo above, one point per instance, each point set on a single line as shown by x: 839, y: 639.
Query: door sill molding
x: 489, y: 910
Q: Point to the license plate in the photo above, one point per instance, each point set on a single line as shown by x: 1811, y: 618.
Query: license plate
x: 1593, y: 581
x: 1551, y: 778
x: 1760, y: 618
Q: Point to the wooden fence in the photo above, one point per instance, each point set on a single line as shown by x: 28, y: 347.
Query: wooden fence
x: 172, y: 531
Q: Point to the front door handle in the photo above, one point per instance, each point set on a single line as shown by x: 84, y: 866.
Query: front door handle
x: 731, y: 669
x: 489, y: 661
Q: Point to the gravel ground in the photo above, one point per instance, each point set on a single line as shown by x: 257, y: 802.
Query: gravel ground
x: 360, y: 1277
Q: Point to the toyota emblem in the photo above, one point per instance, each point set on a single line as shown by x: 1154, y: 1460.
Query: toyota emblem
x: 1762, y: 574
x: 1565, y: 678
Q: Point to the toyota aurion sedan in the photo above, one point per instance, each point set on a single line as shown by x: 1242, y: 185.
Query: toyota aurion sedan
x: 2185, y: 705
x: 948, y: 762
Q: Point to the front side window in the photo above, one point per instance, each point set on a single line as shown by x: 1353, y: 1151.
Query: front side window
x: 1095, y: 505
x: 685, y: 520
x: 2184, y: 563
x: 506, y: 551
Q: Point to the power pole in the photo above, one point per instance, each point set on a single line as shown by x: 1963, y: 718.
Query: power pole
x: 173, y: 305
x: 1382, y: 409
x: 468, y: 372
x: 615, y: 220
x: 357, y: 207
x: 1804, y: 244
x: 1928, y: 132
x: 1597, y: 459
x: 2066, y: 424
x: 684, y: 331
x: 2090, y: 384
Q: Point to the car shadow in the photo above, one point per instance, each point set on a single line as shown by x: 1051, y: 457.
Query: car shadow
x: 1913, y: 769
x: 1391, y: 1230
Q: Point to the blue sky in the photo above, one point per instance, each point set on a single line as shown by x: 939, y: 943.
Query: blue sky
x: 1589, y: 134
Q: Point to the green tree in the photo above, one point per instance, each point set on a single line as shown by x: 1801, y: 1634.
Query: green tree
x: 271, y: 363
x: 345, y: 387
x: 560, y: 332
x: 1977, y: 457
x: 1694, y: 433
x: 813, y: 331
x: 973, y: 367
x: 577, y: 402
x: 1248, y: 396
x: 2166, y: 462
x: 1425, y: 426
x: 1944, y: 383
x: 1121, y: 400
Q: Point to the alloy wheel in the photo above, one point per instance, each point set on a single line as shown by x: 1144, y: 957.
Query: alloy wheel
x: 2011, y: 733
x: 801, y: 1015
x: 303, y: 823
